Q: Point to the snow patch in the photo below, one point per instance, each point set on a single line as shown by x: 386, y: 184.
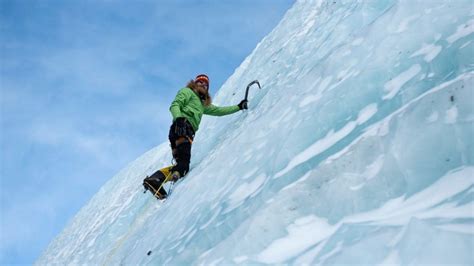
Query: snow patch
x: 462, y: 30
x: 302, y: 234
x: 405, y: 23
x: 451, y: 115
x: 366, y: 113
x: 430, y: 51
x: 329, y: 140
x: 244, y: 191
x: 393, y: 86
x: 433, y: 117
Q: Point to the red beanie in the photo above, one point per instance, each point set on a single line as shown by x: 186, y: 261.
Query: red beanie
x: 202, y: 78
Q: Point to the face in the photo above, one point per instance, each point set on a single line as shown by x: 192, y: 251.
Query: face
x: 202, y: 84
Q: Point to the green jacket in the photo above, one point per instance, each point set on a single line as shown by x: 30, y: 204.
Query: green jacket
x: 188, y: 104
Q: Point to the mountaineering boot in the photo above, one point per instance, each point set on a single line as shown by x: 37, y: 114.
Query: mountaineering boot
x: 154, y: 183
x: 155, y: 187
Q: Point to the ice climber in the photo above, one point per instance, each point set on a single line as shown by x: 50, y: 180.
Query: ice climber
x: 187, y: 109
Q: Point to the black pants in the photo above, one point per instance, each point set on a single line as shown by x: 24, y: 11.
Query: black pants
x: 181, y: 148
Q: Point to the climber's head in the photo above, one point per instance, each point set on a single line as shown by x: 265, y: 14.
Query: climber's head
x: 202, y: 80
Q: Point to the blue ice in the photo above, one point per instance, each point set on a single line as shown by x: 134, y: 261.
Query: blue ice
x: 358, y: 149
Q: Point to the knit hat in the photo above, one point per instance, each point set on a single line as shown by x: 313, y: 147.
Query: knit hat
x: 202, y: 78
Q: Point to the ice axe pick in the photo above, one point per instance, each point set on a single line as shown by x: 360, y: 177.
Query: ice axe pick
x: 247, y: 90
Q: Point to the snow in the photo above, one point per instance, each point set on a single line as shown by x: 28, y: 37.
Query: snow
x: 302, y: 233
x: 433, y: 117
x: 309, y: 231
x: 366, y: 113
x: 462, y: 30
x: 430, y: 51
x: 358, y: 149
x: 451, y: 115
x: 320, y: 146
x: 405, y: 23
x: 423, y: 204
x: 393, y: 86
x: 330, y: 139
x: 244, y: 191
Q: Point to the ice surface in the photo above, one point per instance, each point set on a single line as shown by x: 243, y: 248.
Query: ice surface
x: 358, y: 149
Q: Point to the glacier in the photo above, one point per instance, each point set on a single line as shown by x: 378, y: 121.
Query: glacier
x: 358, y: 149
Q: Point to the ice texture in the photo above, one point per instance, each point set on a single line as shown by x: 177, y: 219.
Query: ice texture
x: 358, y: 149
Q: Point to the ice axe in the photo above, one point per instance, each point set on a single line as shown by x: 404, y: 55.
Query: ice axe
x: 247, y: 91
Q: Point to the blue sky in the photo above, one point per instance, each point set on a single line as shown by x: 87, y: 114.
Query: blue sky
x: 85, y: 89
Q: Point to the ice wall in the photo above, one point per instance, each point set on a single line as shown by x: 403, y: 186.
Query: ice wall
x: 357, y: 150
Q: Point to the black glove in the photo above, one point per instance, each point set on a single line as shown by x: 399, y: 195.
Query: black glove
x: 243, y: 105
x: 181, y: 126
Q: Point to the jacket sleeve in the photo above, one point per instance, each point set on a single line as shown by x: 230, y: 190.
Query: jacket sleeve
x: 178, y: 103
x: 220, y: 111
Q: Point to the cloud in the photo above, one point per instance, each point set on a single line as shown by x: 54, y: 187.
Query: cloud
x: 86, y: 71
x: 104, y: 137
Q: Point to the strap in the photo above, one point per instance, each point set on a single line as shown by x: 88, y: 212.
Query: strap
x: 157, y: 191
x: 183, y: 139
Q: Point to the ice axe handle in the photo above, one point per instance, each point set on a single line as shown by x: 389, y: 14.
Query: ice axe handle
x: 248, y: 87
